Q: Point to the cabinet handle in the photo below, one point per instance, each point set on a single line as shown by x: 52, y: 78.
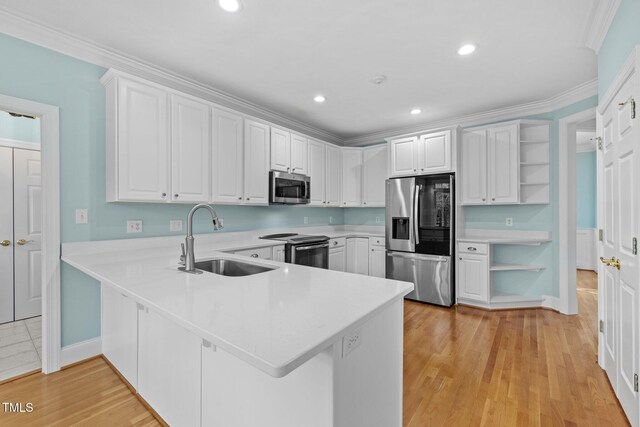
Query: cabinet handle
x: 493, y: 199
x: 254, y: 255
x: 335, y: 243
x: 471, y: 248
x: 287, y: 169
x: 484, y: 200
x: 239, y: 198
x: 175, y: 196
x: 293, y: 170
x: 415, y: 170
x: 364, y: 203
x: 5, y: 242
x: 164, y: 195
x: 248, y: 198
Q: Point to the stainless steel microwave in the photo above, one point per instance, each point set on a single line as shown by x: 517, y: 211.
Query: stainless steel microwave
x: 289, y: 188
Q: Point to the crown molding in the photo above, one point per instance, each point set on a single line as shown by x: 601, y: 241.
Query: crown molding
x: 568, y: 97
x: 600, y: 18
x: 30, y: 30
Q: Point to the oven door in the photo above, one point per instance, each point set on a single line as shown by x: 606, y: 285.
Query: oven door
x: 289, y: 188
x: 312, y: 255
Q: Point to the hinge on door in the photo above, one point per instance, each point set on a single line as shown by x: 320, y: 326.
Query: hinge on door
x: 634, y: 246
x: 599, y: 142
x: 635, y: 382
x: 602, y: 326
x: 601, y: 234
x: 633, y: 106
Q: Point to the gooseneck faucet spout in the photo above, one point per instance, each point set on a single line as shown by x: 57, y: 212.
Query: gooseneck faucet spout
x: 189, y: 257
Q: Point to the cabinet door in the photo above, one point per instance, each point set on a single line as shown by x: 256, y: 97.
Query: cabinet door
x: 473, y: 283
x: 280, y: 150
x: 504, y: 166
x: 434, y: 152
x: 259, y: 253
x: 403, y: 156
x: 316, y: 172
x: 299, y: 154
x: 6, y: 233
x: 277, y: 253
x: 120, y: 333
x: 169, y: 376
x: 226, y: 172
x: 333, y: 182
x: 474, y: 168
x: 143, y: 142
x: 351, y: 177
x: 190, y: 150
x: 256, y: 163
x: 358, y: 255
x: 377, y: 261
x: 374, y: 175
x: 337, y: 259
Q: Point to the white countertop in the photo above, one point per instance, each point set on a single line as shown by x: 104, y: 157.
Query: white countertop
x: 275, y: 320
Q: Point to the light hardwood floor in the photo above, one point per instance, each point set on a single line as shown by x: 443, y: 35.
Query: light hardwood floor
x: 462, y: 366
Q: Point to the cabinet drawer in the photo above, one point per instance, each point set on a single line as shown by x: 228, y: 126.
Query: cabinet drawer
x: 262, y: 253
x: 376, y: 241
x: 338, y: 242
x: 473, y: 248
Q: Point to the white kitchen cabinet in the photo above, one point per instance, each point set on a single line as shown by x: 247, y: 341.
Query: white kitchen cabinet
x: 120, y: 333
x: 256, y: 163
x: 434, y: 152
x: 316, y: 172
x: 351, y: 177
x: 259, y: 253
x: 169, y: 364
x: 333, y: 181
x: 503, y: 160
x: 338, y: 254
x: 374, y: 174
x: 190, y: 150
x: 277, y: 253
x: 137, y: 134
x: 358, y: 255
x: 299, y: 154
x: 377, y: 258
x: 473, y: 280
x: 403, y: 156
x: 227, y: 158
x: 473, y: 176
x: 280, y: 150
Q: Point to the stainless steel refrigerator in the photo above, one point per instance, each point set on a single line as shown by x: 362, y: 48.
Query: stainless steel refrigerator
x: 420, y: 235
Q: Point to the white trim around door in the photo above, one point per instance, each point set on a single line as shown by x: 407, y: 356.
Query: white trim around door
x: 50, y: 151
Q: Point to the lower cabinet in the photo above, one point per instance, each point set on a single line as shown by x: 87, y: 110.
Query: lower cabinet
x: 376, y: 260
x: 277, y: 253
x: 473, y: 281
x: 338, y: 259
x: 169, y: 376
x: 261, y: 253
x: 120, y: 333
x: 358, y: 255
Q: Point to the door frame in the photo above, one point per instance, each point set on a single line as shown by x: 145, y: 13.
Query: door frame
x: 50, y: 151
x: 567, y: 209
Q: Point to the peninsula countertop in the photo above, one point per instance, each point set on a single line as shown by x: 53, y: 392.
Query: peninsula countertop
x: 275, y: 320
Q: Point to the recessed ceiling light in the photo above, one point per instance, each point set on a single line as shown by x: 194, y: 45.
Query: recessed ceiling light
x: 229, y: 5
x: 466, y: 49
x: 416, y: 111
x: 319, y: 98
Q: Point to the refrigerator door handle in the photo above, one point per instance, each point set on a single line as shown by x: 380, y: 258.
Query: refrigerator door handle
x: 416, y: 228
x: 420, y: 257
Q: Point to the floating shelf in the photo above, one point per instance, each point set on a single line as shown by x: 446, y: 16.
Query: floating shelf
x: 515, y: 267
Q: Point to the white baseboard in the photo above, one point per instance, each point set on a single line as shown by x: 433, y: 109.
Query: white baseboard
x: 80, y: 351
x: 550, y: 302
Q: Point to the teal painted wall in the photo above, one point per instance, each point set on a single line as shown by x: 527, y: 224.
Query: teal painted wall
x: 586, y: 190
x: 623, y: 35
x: 19, y: 128
x: 364, y: 216
x: 530, y: 217
x: 41, y: 75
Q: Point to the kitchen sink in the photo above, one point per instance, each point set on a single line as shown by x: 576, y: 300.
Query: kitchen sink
x: 230, y: 267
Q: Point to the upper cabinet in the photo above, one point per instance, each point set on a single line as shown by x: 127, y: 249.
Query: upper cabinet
x: 299, y: 154
x: 227, y: 157
x: 374, y: 174
x: 333, y: 180
x: 137, y: 130
x: 507, y: 163
x: 424, y: 154
x: 316, y: 172
x: 351, y: 177
x: 288, y: 152
x: 256, y: 163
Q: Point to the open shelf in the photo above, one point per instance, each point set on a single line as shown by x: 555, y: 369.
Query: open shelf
x: 516, y: 267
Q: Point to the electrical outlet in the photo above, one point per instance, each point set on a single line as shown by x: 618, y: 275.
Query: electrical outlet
x: 134, y: 226
x: 330, y: 220
x: 82, y: 216
x: 351, y: 341
x: 306, y: 220
x: 509, y: 222
x: 175, y: 225
x: 378, y: 219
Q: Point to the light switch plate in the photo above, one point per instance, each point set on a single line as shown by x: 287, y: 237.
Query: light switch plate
x: 509, y: 222
x: 351, y: 341
x: 175, y: 225
x: 82, y: 216
x: 306, y: 220
x: 134, y: 226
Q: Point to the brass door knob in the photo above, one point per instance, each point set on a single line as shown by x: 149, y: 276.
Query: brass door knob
x: 5, y: 242
x: 23, y: 242
x: 606, y: 261
x: 615, y: 263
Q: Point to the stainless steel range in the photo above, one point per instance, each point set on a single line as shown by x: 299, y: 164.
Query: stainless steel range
x: 312, y: 251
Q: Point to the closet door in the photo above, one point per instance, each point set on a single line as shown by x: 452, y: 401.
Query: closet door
x: 6, y: 235
x: 27, y: 226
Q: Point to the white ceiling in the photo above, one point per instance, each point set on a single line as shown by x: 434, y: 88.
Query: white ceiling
x: 280, y: 53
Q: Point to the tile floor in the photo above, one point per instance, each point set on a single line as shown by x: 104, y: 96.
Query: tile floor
x: 20, y: 347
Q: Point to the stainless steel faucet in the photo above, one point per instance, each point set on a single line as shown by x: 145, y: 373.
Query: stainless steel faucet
x: 188, y: 255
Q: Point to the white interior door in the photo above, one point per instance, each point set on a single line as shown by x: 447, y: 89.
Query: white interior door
x: 28, y: 233
x: 6, y: 235
x: 621, y: 207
